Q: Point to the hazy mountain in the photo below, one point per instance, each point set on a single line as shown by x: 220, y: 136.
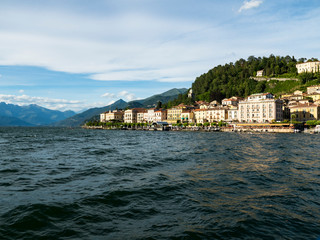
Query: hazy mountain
x: 12, y: 121
x: 80, y: 118
x: 94, y: 113
x: 30, y: 115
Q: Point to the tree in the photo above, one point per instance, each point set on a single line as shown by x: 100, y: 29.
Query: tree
x: 159, y: 105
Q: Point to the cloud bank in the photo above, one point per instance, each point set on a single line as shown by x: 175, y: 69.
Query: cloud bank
x: 54, y: 104
x: 107, y: 48
x: 250, y: 4
x: 123, y: 94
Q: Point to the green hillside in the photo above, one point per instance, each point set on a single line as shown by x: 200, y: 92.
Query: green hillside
x: 153, y: 100
x: 234, y: 79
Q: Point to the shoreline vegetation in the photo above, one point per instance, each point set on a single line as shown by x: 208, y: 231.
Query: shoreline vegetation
x: 284, y: 127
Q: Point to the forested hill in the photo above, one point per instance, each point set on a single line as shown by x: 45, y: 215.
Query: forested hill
x: 233, y: 79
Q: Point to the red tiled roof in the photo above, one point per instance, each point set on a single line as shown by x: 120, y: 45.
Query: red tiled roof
x: 306, y: 105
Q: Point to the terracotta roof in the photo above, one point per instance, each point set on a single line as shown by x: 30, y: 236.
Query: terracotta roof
x: 304, y: 105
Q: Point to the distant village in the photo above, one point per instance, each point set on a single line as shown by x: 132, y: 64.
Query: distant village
x: 259, y: 108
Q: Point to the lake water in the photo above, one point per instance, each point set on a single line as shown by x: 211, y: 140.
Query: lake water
x: 58, y: 183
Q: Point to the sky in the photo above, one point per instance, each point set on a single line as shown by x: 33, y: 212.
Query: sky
x: 78, y: 54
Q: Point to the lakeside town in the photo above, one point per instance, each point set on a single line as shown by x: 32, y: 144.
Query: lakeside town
x: 261, y: 112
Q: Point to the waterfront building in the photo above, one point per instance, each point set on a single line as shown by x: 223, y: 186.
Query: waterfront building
x: 305, y: 111
x: 174, y: 114
x: 308, y: 67
x: 115, y: 115
x: 151, y: 115
x: 261, y: 107
x: 160, y: 115
x: 313, y: 89
x: 103, y: 117
x: 232, y: 114
x: 187, y: 116
x: 142, y: 116
x: 131, y: 115
x: 217, y: 114
x: 200, y: 115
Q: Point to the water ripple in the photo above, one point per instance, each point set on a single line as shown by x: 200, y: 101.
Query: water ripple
x: 81, y: 184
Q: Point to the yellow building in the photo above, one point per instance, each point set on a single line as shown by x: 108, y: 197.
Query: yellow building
x: 187, y: 116
x: 217, y: 114
x: 115, y: 115
x: 314, y: 96
x: 305, y: 112
x: 174, y: 114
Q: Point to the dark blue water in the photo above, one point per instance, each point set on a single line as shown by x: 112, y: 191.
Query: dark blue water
x: 60, y: 183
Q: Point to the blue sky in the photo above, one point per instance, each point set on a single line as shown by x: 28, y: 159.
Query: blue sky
x: 77, y: 54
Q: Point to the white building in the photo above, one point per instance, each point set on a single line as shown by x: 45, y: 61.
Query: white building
x: 131, y: 115
x: 308, y: 67
x: 260, y: 73
x: 313, y: 89
x: 261, y: 107
x: 232, y: 114
x: 200, y: 115
x: 142, y: 116
x: 151, y: 115
x: 233, y: 101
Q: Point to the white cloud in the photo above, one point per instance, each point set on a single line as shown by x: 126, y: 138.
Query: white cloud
x: 250, y: 4
x: 128, y: 96
x: 109, y: 95
x: 99, y: 46
x: 55, y: 104
x: 123, y: 94
x: 21, y: 91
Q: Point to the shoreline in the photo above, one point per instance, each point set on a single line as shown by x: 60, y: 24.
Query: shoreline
x: 222, y: 129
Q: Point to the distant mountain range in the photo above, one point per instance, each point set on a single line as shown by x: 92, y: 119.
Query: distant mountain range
x: 94, y: 113
x: 80, y: 118
x: 31, y: 115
